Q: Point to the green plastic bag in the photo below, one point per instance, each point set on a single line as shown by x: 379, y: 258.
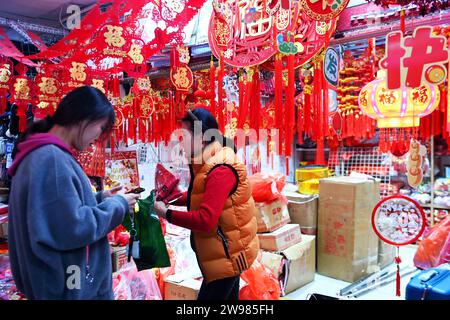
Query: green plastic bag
x: 152, y: 246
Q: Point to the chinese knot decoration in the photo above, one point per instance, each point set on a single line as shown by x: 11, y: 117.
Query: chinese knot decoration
x: 415, y: 60
x: 398, y: 221
x: 243, y: 33
x: 398, y: 112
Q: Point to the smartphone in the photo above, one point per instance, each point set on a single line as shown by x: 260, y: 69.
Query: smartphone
x: 137, y: 190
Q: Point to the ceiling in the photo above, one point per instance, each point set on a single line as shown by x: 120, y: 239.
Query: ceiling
x: 44, y: 12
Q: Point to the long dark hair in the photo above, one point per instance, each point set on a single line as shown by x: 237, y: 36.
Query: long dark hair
x: 83, y: 103
x: 207, y: 122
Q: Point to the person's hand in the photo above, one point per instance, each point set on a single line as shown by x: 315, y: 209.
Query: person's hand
x: 111, y: 192
x: 160, y: 209
x: 131, y: 199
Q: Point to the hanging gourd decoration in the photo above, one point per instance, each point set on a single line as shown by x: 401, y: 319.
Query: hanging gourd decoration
x: 397, y: 112
x: 398, y: 221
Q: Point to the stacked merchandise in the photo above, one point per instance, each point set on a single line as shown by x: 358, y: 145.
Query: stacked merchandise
x: 289, y: 254
x: 347, y: 247
x: 8, y: 289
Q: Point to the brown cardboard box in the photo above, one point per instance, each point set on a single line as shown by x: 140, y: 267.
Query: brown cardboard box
x: 271, y: 216
x: 347, y: 246
x: 119, y: 257
x: 386, y: 254
x: 295, y: 266
x: 177, y: 288
x: 303, y: 210
x: 281, y: 238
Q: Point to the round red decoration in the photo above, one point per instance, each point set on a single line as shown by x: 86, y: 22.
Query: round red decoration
x: 324, y: 10
x: 398, y: 220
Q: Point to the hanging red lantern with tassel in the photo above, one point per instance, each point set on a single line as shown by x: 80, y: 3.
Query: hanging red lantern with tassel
x: 21, y: 94
x: 398, y: 112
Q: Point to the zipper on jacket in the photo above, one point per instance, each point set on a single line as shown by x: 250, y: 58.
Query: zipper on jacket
x: 224, y: 241
x: 191, y: 185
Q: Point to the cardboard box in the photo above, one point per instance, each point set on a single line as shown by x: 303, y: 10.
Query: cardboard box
x: 294, y: 266
x: 347, y: 246
x: 303, y: 210
x: 386, y: 254
x: 119, y: 258
x: 281, y: 238
x: 271, y: 216
x: 178, y: 288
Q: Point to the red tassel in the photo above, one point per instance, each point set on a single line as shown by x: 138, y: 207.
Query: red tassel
x: 212, y: 91
x: 220, y: 94
x: 290, y: 106
x: 320, y: 156
x: 21, y: 113
x: 113, y: 143
x: 279, y: 113
x: 397, y: 287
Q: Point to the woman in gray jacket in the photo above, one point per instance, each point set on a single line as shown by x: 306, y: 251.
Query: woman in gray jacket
x: 57, y: 226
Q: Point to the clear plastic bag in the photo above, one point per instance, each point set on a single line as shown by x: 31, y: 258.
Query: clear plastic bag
x: 129, y: 284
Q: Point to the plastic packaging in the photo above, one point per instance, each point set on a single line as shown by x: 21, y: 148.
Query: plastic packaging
x: 129, y: 284
x: 434, y: 249
x: 262, y: 283
x: 267, y: 187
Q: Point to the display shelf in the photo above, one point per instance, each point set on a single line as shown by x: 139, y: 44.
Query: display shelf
x: 428, y: 206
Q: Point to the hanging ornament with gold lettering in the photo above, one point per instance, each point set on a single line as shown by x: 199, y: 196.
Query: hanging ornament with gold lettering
x: 21, y: 94
x: 181, y: 77
x: 6, y: 74
x: 47, y: 89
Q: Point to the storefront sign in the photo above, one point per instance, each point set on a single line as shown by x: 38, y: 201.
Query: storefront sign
x: 331, y: 67
x: 415, y: 60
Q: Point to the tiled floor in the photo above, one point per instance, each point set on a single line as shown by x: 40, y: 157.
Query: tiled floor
x: 330, y: 287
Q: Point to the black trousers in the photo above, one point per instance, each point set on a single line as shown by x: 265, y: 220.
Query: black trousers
x: 223, y: 289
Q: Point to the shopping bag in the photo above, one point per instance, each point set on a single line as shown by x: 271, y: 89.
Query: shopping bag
x: 152, y: 250
x: 166, y: 184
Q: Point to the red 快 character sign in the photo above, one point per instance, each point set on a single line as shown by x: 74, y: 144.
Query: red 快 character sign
x: 414, y: 60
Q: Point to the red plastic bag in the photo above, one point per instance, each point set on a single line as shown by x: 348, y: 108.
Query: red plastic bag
x: 166, y: 184
x: 434, y: 249
x: 267, y: 187
x: 262, y: 283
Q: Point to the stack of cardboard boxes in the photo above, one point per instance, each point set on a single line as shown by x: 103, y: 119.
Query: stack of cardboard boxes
x: 288, y: 253
x: 347, y: 246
